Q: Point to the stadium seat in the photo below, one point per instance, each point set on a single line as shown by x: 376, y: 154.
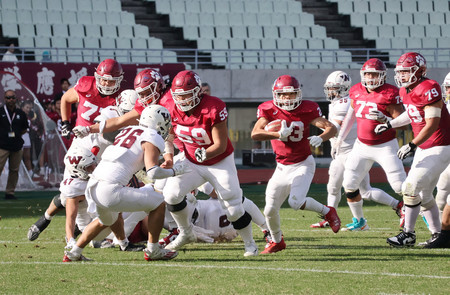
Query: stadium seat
x: 441, y: 5
x: 361, y: 6
x: 40, y: 5
x: 84, y: 17
x: 113, y: 18
x: 330, y: 43
x: 268, y: 43
x: 265, y: 6
x: 294, y: 6
x: 220, y: 44
x: 425, y: 6
x: 235, y: 19
x: 270, y: 32
x: 393, y: 6
x: 59, y: 42
x: 69, y: 17
x: 433, y: 31
x: 398, y: 43
x: 299, y: 44
x: 221, y: 19
x: 25, y: 29
x: 93, y: 31
x: 26, y: 41
x: 127, y: 18
x: 154, y: 43
x: 303, y: 32
x: 417, y: 31
x: 377, y: 6
x: 24, y: 16
x: 401, y: 31
x: 405, y: 19
x: 284, y: 44
x: 251, y: 6
x: 191, y: 32
x: 239, y: 32
x: 192, y: 6
x: 99, y: 18
x: 206, y: 19
x: 162, y: 6
x: 9, y: 16
x: 385, y: 32
x: 106, y: 42
x: 293, y: 19
x: 191, y: 19
x: 113, y: 5
x: 236, y: 43
x: 315, y: 43
x: 53, y: 16
x: 43, y: 30
x: 204, y: 44
x: 60, y: 30
x: 223, y: 32
x: 76, y: 30
x: 253, y: 44
x: 40, y: 17
x: 282, y: 7
x: 421, y: 18
x: 124, y: 31
x: 318, y: 32
x: 373, y: 19
x: 287, y: 32
x: 207, y: 7
x: 75, y: 42
x: 222, y: 6
x: 69, y: 5
x: 250, y: 19
x: 54, y: 4
x: 84, y: 5
x: 437, y: 18
x: 236, y: 7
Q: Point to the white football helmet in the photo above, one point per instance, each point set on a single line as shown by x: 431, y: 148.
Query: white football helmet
x: 126, y: 101
x: 158, y: 118
x: 337, y: 85
x: 445, y: 86
x: 77, y: 160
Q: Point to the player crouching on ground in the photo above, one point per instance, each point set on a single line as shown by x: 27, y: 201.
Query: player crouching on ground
x: 295, y: 164
x: 134, y: 148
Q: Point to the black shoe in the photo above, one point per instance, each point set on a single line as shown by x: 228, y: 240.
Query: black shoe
x: 10, y: 197
x: 133, y: 248
x: 403, y: 239
x: 442, y: 241
x: 430, y: 240
x: 35, y: 230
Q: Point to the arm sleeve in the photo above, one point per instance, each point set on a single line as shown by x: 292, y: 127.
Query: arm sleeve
x: 401, y: 120
x: 347, y: 124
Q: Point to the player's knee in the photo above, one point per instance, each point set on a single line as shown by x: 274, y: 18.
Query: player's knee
x: 177, y: 207
x: 351, y: 194
x: 296, y: 202
x: 397, y: 187
x: 242, y: 222
x: 234, y: 209
x: 57, y: 201
x: 412, y: 201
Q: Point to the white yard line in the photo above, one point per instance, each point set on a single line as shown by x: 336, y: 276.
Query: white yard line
x: 235, y: 267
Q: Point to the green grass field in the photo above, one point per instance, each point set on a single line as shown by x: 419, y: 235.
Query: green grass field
x: 314, y: 262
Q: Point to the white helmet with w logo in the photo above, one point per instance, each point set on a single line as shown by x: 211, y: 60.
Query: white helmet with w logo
x: 77, y: 160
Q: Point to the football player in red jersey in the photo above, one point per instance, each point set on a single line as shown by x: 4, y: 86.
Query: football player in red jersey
x: 295, y: 164
x: 93, y: 93
x: 372, y: 101
x: 200, y: 122
x: 429, y: 118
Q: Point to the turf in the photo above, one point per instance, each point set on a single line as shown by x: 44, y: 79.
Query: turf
x: 316, y: 261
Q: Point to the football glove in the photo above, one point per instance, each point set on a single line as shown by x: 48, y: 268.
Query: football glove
x: 315, y: 140
x: 200, y: 155
x: 378, y: 116
x: 405, y: 150
x: 81, y: 131
x: 66, y: 129
x: 285, y: 131
x: 382, y: 127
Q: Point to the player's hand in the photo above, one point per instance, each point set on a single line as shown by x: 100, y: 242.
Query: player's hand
x: 200, y: 155
x: 81, y: 131
x: 315, y: 140
x: 378, y: 116
x: 180, y: 167
x: 405, y: 150
x: 285, y: 131
x: 66, y: 129
x: 382, y: 127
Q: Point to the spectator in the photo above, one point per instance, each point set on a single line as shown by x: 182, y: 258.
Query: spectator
x: 27, y: 108
x: 13, y: 123
x: 206, y: 89
x: 9, y: 54
x: 65, y: 85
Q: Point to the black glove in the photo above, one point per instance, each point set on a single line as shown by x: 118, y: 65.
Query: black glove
x: 66, y: 129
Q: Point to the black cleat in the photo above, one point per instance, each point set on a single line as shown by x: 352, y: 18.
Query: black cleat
x: 403, y: 239
x: 442, y: 241
x: 35, y: 230
x: 133, y: 248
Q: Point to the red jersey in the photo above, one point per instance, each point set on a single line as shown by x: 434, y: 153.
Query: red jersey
x: 295, y: 148
x: 91, y: 102
x: 194, y: 131
x: 364, y: 102
x: 427, y: 92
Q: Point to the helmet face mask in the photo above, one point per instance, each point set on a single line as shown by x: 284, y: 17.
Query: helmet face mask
x: 337, y: 85
x: 373, y: 74
x: 158, y: 118
x: 80, y: 162
x: 186, y: 90
x: 149, y: 85
x: 108, y: 76
x: 410, y: 69
x: 126, y: 101
x: 286, y: 93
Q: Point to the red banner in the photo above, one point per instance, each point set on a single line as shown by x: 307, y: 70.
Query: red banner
x: 44, y: 79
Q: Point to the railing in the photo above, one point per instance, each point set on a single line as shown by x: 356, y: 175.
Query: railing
x: 233, y: 58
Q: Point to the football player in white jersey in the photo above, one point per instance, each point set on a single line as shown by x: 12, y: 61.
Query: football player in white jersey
x: 134, y: 148
x: 336, y: 88
x: 73, y: 188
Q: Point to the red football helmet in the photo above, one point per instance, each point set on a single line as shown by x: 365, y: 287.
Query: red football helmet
x: 149, y: 85
x: 373, y: 65
x: 410, y: 68
x: 286, y: 84
x: 184, y: 83
x: 109, y: 70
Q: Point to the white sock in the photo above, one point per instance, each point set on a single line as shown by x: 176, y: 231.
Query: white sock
x: 246, y: 233
x: 277, y: 236
x: 432, y: 217
x: 382, y: 197
x: 152, y: 246
x: 255, y: 213
x: 182, y: 219
x: 123, y: 243
x: 411, y: 214
x: 47, y: 216
x: 356, y: 209
x: 313, y: 205
x: 76, y: 250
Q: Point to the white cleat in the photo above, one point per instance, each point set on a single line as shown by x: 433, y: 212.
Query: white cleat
x: 250, y: 249
x: 159, y: 254
x: 185, y: 237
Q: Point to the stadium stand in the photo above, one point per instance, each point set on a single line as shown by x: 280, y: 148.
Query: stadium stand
x: 230, y: 33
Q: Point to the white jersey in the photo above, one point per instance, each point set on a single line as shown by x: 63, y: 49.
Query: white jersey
x: 337, y: 110
x: 212, y: 216
x: 125, y: 157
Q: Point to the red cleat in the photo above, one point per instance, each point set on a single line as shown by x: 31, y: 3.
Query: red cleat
x: 273, y: 247
x: 400, y: 211
x: 173, y: 234
x: 321, y: 224
x: 333, y: 219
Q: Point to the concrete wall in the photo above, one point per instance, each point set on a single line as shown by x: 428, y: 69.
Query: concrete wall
x: 256, y: 85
